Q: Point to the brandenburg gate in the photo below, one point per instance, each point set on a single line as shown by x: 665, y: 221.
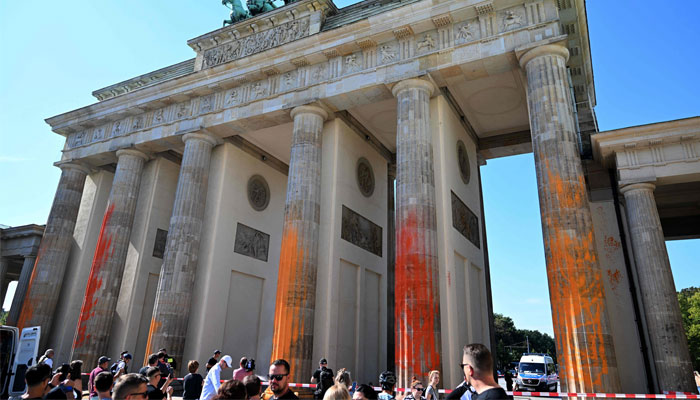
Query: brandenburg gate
x: 308, y: 185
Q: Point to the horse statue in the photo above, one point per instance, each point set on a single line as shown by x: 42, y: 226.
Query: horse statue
x: 238, y: 12
x: 260, y: 6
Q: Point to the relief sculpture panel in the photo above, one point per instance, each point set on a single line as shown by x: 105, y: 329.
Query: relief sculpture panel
x: 261, y: 41
x: 361, y: 232
x: 251, y: 242
x: 464, y: 220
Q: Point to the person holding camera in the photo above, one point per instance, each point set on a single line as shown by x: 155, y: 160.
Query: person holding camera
x: 323, y: 377
x: 69, y: 383
x: 247, y: 368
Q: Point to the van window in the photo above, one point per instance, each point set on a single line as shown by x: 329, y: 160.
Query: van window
x: 7, y: 344
x: 531, y: 368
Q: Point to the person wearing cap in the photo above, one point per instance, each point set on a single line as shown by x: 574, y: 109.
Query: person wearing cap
x: 214, y: 359
x: 213, y: 379
x: 322, y: 366
x: 102, y: 365
x: 123, y: 365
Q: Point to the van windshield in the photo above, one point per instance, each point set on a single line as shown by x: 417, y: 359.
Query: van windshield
x: 531, y: 368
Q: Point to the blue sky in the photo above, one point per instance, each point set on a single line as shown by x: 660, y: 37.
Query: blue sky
x: 56, y: 53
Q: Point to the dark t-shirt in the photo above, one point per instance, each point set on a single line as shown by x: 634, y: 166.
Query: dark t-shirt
x: 142, y: 371
x: 192, y: 385
x: 317, y: 374
x: 289, y: 395
x: 492, y: 394
x: 154, y: 393
x: 58, y: 393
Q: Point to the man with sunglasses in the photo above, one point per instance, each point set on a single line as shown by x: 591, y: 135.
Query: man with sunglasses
x: 279, y: 380
x: 477, y: 366
x: 37, y: 379
x: 130, y: 387
x: 213, y: 379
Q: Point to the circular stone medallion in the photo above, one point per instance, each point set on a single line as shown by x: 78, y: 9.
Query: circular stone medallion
x: 365, y: 177
x: 258, y: 192
x: 463, y: 162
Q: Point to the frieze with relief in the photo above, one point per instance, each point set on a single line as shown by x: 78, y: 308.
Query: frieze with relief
x: 465, y: 221
x: 361, y: 232
x: 256, y: 43
x: 251, y: 242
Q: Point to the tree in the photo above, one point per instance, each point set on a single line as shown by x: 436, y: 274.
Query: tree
x: 689, y: 301
x: 3, y: 316
x: 511, y: 342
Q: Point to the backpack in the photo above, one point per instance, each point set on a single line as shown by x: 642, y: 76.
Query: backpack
x: 325, y: 382
x: 114, y: 368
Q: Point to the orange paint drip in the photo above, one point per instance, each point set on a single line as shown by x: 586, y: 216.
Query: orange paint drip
x: 28, y: 305
x: 576, y: 286
x: 417, y: 304
x: 288, y: 327
x: 102, y: 253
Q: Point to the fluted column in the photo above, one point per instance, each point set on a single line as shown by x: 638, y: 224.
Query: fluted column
x: 21, y: 289
x: 581, y: 327
x: 669, y: 345
x: 296, y: 280
x: 105, y: 280
x: 176, y: 281
x: 47, y: 278
x: 417, y: 307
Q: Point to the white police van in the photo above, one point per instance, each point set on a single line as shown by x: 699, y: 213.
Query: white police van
x: 17, y: 354
x: 537, y: 373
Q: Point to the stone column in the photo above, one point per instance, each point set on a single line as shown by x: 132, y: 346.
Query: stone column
x: 176, y: 281
x: 417, y: 307
x: 3, y: 281
x: 21, y: 290
x: 581, y: 328
x: 391, y: 268
x: 296, y: 280
x: 47, y: 278
x: 668, y: 342
x: 105, y: 280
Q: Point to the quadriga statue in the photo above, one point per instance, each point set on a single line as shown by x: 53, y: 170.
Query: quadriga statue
x: 238, y: 12
x: 260, y: 6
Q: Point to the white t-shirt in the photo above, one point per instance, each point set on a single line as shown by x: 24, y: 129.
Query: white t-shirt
x: 211, y: 383
x: 49, y: 362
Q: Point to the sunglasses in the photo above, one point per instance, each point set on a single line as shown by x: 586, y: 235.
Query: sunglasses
x: 277, y: 377
x: 419, y: 389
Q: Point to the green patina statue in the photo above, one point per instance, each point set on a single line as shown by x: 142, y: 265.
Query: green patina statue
x: 238, y: 12
x: 260, y: 6
x: 255, y: 7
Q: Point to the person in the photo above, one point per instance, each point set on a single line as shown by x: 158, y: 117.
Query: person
x: 103, y: 384
x: 213, y: 380
x: 364, y: 392
x: 155, y: 392
x: 253, y: 387
x: 47, y: 358
x: 193, y: 382
x: 130, y: 387
x: 477, y: 366
x: 165, y: 371
x: 343, y: 378
x: 323, y: 377
x: 462, y: 391
x: 417, y: 390
x: 431, y: 392
x: 337, y: 392
x: 70, y: 382
x: 246, y: 368
x: 509, y: 380
x: 231, y: 389
x: 213, y: 360
x: 279, y: 380
x: 37, y: 378
x: 152, y: 362
x: 102, y: 364
x: 387, y: 380
x: 172, y: 364
x: 122, y: 366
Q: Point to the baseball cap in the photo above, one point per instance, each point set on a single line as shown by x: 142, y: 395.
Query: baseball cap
x: 323, y: 361
x: 103, y: 359
x: 228, y: 360
x: 127, y: 355
x: 217, y: 351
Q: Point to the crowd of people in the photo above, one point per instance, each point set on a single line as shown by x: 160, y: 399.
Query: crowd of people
x: 153, y: 381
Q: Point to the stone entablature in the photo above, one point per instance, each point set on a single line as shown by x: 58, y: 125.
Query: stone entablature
x: 399, y: 44
x: 665, y: 152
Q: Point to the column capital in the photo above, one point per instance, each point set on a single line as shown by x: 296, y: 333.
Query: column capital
x: 309, y: 109
x: 72, y: 164
x: 553, y: 49
x: 203, y: 136
x: 132, y: 152
x: 637, y: 186
x: 413, y: 83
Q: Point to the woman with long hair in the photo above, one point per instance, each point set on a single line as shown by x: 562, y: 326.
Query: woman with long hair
x: 431, y: 392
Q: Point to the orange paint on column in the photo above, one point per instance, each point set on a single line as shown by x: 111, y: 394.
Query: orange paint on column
x: 102, y: 252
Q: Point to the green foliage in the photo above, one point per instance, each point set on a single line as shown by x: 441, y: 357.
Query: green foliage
x: 511, y: 342
x: 3, y: 316
x: 689, y: 300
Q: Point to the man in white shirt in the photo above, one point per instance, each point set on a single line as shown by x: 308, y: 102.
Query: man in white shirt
x: 213, y: 379
x: 47, y: 358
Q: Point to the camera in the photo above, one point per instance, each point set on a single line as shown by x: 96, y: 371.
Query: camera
x: 249, y: 365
